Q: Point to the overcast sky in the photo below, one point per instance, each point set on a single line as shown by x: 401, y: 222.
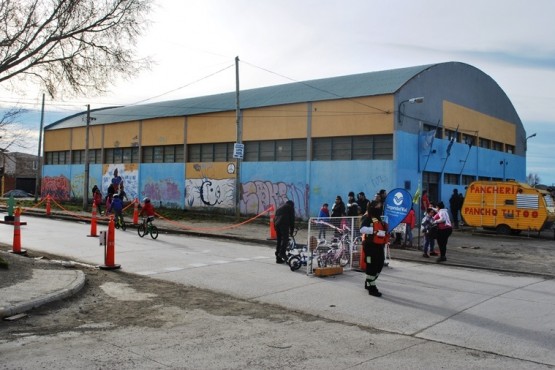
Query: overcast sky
x: 194, y: 43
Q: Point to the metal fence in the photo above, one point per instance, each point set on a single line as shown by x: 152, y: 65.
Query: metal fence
x: 333, y: 241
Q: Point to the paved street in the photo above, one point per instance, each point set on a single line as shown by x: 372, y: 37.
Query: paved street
x: 491, y: 312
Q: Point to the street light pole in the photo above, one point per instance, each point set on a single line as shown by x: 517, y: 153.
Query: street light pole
x: 526, y: 141
x: 401, y: 113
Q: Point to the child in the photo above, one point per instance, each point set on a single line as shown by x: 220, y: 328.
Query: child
x: 427, y: 223
x: 323, y: 216
x: 97, y: 199
x: 117, y: 208
x: 147, y: 210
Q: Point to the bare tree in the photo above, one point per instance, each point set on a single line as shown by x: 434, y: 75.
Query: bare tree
x: 533, y: 179
x: 80, y: 44
x: 12, y: 134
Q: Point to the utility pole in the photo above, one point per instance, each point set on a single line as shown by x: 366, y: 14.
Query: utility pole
x: 87, y: 165
x: 39, y: 167
x: 239, y: 145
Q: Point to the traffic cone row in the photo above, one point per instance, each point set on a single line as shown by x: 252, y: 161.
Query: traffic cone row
x: 48, y: 205
x: 17, y: 233
x: 109, y: 256
x: 136, y: 212
x: 273, y: 234
x: 93, y: 221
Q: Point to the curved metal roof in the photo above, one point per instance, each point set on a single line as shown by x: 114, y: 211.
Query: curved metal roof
x: 351, y: 86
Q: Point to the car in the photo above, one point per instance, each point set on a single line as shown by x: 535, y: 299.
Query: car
x: 18, y: 193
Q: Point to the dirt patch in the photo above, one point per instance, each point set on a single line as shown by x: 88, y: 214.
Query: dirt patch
x: 118, y: 299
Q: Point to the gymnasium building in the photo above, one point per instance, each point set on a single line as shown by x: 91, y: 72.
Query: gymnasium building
x: 435, y: 127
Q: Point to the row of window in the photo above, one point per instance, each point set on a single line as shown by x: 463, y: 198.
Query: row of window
x: 470, y: 139
x: 323, y: 149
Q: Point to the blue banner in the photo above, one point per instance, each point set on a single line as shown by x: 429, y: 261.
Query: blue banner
x: 397, y: 206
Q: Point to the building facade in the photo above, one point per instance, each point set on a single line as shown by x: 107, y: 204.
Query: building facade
x: 18, y: 171
x: 436, y: 127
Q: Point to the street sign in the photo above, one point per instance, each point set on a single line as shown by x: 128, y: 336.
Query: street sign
x: 238, y: 150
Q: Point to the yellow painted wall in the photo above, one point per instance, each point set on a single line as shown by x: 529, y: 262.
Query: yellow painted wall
x: 212, y: 128
x: 470, y: 121
x: 211, y: 170
x: 163, y: 131
x: 78, y: 138
x: 274, y: 123
x: 357, y: 116
x: 57, y: 140
x: 121, y: 135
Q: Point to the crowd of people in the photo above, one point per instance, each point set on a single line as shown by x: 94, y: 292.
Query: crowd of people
x: 436, y: 225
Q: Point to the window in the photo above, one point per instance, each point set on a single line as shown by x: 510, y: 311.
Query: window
x: 509, y: 148
x: 353, y: 147
x: 450, y: 134
x: 496, y: 145
x: 218, y: 152
x: 383, y: 147
x: 467, y: 179
x: 78, y: 156
x: 451, y: 178
x: 468, y: 139
x: 321, y: 149
x: 275, y: 150
x: 160, y: 154
x: 485, y: 143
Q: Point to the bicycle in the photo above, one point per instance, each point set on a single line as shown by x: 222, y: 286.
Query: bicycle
x: 120, y: 223
x: 147, y: 227
x: 297, y: 254
x: 339, y: 251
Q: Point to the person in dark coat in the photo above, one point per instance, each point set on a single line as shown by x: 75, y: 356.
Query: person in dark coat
x: 284, y: 224
x: 455, y: 205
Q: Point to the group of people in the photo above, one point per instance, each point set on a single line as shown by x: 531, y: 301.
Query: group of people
x: 436, y: 225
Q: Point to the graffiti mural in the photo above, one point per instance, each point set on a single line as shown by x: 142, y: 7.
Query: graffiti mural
x: 210, y: 185
x: 165, y: 190
x: 257, y: 196
x: 58, y: 187
x: 124, y: 175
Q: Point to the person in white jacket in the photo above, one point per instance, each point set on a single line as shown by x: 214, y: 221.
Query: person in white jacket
x: 442, y: 220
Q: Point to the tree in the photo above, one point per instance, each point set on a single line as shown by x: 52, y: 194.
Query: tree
x: 80, y: 44
x: 12, y: 134
x: 533, y: 179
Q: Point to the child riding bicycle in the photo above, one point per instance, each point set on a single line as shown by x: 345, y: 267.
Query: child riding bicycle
x: 148, y: 210
x: 117, y: 208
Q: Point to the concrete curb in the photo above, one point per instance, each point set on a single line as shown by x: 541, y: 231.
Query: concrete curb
x: 74, y: 282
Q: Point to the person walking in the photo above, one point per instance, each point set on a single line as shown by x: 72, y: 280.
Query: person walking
x: 443, y: 222
x: 375, y: 238
x: 284, y: 224
x: 455, y: 205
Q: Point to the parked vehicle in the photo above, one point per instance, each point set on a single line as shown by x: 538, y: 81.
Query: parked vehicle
x: 18, y: 193
x: 508, y: 207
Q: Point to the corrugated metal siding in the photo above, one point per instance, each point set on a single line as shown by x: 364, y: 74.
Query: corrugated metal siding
x: 364, y: 84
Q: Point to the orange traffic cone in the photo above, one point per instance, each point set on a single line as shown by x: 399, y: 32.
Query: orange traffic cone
x: 136, y: 212
x: 48, y: 205
x: 93, y: 221
x: 109, y: 256
x: 17, y: 233
x: 273, y: 235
